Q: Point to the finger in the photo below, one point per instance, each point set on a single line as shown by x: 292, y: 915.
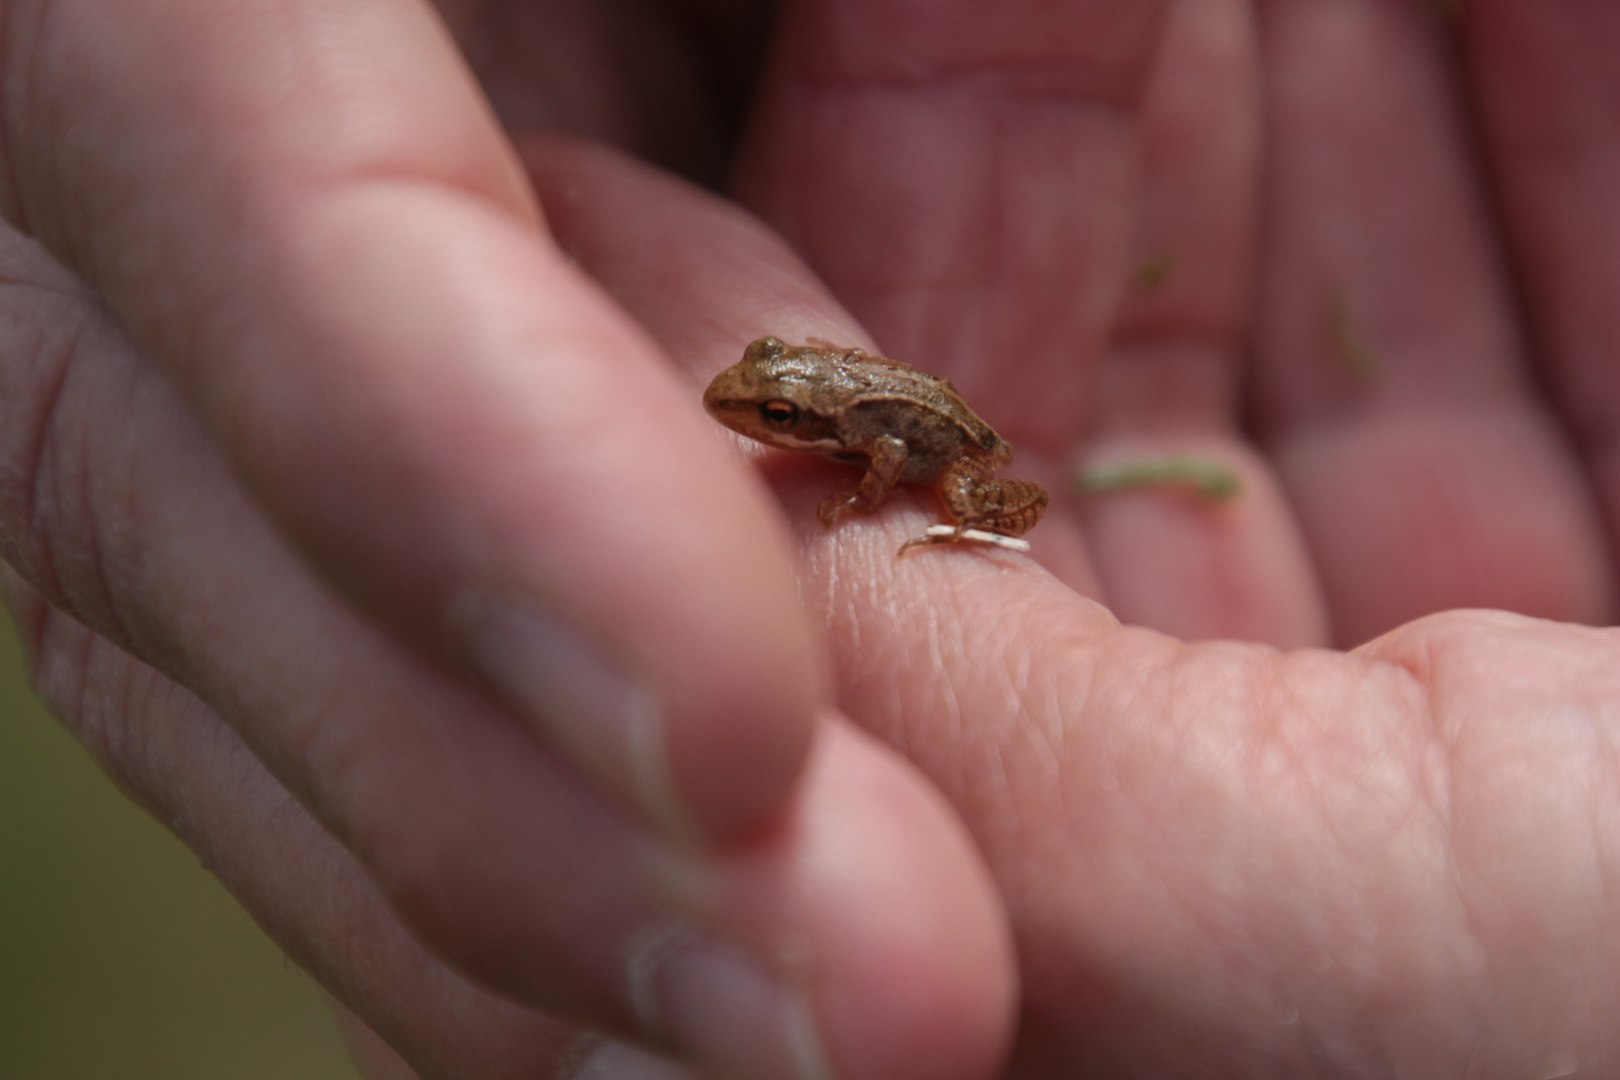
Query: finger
x: 194, y: 774
x: 700, y: 273
x: 962, y: 175
x: 1390, y: 384
x: 303, y: 211
x: 767, y: 958
x: 1547, y: 93
x: 1224, y: 860
x: 171, y: 753
x: 191, y: 772
x: 1223, y: 564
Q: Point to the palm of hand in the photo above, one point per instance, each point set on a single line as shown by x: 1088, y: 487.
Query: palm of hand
x: 1219, y: 855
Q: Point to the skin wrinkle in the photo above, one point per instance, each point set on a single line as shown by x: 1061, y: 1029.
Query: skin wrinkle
x: 997, y: 781
x: 1471, y: 887
x: 1020, y: 695
x: 1082, y: 701
x: 834, y: 55
x: 1264, y: 739
x: 1004, y: 266
x: 1270, y: 698
x: 945, y: 709
x: 28, y: 475
x: 79, y: 573
x: 996, y: 95
x: 107, y: 678
x: 1608, y: 881
x: 1364, y: 780
x: 1012, y: 683
x: 1002, y: 270
x: 1606, y: 765
x: 78, y: 576
x: 62, y: 678
x: 1058, y: 84
x: 1047, y: 741
x: 18, y: 287
x: 114, y: 687
x: 82, y: 326
x: 106, y: 517
x: 1609, y: 875
x: 1437, y: 765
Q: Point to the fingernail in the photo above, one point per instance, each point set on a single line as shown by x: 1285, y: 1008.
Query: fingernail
x: 605, y: 1060
x: 722, y: 1009
x: 588, y: 705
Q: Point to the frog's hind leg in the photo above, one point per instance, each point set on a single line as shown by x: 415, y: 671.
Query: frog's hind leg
x: 978, y: 501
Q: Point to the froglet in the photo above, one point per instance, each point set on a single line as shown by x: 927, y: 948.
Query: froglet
x: 904, y: 425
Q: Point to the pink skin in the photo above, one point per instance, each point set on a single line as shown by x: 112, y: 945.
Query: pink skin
x: 332, y: 396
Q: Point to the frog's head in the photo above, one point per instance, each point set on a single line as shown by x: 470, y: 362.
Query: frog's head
x: 771, y: 394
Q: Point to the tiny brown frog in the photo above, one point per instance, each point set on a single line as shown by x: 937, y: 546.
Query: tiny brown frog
x: 904, y: 425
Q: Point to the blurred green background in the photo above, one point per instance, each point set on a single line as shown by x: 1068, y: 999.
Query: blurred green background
x: 120, y: 957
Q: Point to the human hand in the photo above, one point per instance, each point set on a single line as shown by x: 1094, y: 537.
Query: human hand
x: 1224, y: 860
x: 1102, y: 957
x: 373, y: 548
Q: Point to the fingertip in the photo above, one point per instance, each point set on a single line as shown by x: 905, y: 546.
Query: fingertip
x: 861, y: 939
x: 914, y: 976
x: 736, y: 745
x: 696, y: 707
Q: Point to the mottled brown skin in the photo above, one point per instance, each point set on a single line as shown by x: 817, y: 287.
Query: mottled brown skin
x: 904, y: 426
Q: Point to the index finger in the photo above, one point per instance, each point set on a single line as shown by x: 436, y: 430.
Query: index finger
x: 305, y: 212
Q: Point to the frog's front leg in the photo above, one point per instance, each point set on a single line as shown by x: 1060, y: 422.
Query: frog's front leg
x: 979, y: 501
x: 887, y: 458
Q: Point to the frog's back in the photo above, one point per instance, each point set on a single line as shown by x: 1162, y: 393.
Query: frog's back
x: 925, y: 411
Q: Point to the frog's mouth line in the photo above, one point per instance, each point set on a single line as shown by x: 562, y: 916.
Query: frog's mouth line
x: 787, y: 439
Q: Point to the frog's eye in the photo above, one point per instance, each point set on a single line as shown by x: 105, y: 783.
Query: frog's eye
x: 778, y: 414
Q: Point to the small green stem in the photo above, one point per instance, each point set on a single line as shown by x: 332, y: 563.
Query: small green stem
x: 1213, y: 480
